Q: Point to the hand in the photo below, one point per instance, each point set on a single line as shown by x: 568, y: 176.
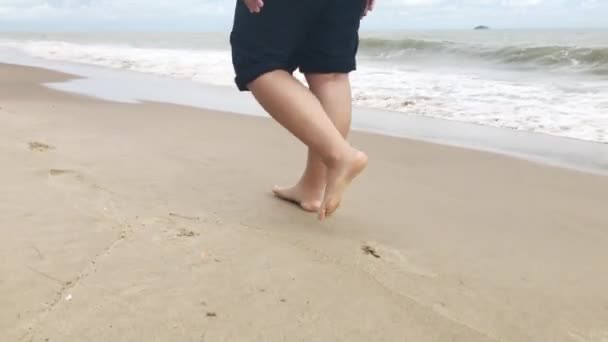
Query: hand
x: 368, y: 6
x: 255, y: 6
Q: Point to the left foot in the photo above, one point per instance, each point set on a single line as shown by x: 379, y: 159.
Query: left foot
x: 339, y: 178
x: 308, y: 199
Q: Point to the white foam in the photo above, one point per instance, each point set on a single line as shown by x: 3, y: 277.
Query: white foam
x: 568, y: 107
x: 547, y: 106
x: 207, y: 66
x: 134, y: 87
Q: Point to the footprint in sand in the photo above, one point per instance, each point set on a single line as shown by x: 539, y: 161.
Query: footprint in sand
x: 191, y: 218
x: 59, y: 172
x: 187, y: 233
x: 594, y: 336
x: 66, y: 172
x: 369, y: 250
x: 75, y: 178
x: 37, y: 146
x: 397, y: 259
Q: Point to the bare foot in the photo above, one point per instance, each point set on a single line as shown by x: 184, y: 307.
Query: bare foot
x: 339, y: 178
x: 307, y: 199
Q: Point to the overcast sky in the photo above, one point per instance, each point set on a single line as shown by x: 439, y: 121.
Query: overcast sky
x: 216, y: 14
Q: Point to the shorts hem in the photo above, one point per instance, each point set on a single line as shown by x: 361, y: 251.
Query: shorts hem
x: 338, y: 67
x: 246, y: 77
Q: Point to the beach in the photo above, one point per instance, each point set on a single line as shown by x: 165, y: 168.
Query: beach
x: 155, y: 222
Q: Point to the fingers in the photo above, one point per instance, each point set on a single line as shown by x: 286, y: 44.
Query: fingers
x: 368, y: 7
x: 254, y: 6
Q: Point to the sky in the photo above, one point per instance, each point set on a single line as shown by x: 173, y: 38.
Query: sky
x: 168, y: 15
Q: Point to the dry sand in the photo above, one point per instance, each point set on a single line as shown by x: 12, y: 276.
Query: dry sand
x: 154, y: 222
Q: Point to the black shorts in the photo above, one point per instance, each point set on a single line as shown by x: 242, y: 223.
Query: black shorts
x: 315, y: 36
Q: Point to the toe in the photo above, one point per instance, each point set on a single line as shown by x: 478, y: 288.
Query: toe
x: 322, y: 213
x: 282, y: 192
x: 331, y: 208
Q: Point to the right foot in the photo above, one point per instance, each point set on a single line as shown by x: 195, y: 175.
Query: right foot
x: 307, y: 199
x: 339, y: 178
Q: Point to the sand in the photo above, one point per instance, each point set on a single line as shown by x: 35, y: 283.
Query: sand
x: 155, y: 222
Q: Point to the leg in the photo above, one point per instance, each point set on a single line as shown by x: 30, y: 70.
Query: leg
x: 333, y: 91
x: 299, y: 111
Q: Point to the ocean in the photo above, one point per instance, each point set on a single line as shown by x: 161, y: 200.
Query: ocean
x: 547, y: 81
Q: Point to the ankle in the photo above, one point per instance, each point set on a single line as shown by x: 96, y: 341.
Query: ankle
x: 338, y: 156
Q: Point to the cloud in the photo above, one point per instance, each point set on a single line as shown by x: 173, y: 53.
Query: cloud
x: 202, y: 14
x: 110, y: 8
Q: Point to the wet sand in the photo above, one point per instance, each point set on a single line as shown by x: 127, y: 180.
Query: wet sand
x: 155, y: 222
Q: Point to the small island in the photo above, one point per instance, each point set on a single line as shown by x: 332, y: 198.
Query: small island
x: 481, y: 27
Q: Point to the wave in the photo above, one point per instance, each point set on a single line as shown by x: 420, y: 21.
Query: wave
x: 562, y: 108
x: 591, y: 59
x: 208, y: 66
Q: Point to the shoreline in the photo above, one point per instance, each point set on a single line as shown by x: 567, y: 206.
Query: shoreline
x: 141, y: 221
x: 133, y: 87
